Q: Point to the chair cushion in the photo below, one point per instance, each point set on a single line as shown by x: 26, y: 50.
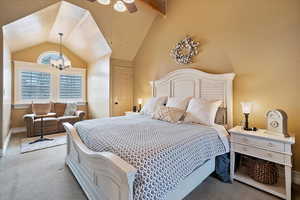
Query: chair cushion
x: 68, y: 118
x: 59, y: 109
x: 63, y: 119
x: 48, y: 119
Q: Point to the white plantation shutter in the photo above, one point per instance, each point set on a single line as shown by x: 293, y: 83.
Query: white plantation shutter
x: 70, y: 87
x: 41, y: 83
x: 35, y: 85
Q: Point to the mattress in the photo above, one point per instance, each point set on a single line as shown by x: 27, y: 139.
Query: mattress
x: 163, y: 153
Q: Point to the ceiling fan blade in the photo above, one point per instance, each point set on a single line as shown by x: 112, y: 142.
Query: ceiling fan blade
x: 131, y: 7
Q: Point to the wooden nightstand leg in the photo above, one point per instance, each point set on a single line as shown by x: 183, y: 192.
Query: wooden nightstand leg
x: 232, y: 163
x: 288, y: 182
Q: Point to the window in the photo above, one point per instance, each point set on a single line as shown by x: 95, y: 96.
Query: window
x: 35, y: 85
x: 70, y: 87
x: 43, y: 83
x: 45, y: 57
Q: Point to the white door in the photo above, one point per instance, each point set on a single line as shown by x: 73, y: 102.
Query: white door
x: 122, y: 85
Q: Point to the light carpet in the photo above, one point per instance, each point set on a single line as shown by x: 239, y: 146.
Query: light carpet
x: 43, y: 175
x: 58, y: 139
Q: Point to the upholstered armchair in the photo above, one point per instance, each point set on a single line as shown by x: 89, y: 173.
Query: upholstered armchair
x: 51, y: 124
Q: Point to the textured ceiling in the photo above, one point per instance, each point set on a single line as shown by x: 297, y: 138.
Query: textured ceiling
x: 89, y: 31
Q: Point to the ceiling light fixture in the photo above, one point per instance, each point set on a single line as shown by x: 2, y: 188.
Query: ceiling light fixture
x: 104, y: 2
x: 60, y: 63
x: 120, y: 6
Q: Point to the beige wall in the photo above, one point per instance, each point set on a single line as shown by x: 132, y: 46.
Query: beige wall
x: 98, y: 89
x: 31, y: 54
x: 258, y: 40
x: 7, y: 97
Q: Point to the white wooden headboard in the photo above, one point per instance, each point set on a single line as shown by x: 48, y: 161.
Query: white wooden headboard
x: 195, y: 83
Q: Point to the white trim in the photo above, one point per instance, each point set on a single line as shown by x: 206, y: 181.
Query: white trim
x: 20, y: 66
x: 78, y: 72
x: 18, y: 130
x: 296, y: 177
x: 5, y: 144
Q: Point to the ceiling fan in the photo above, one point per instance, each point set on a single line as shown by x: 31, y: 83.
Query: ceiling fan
x: 120, y: 5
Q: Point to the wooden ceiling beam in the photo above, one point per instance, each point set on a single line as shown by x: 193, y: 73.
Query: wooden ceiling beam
x: 158, y: 5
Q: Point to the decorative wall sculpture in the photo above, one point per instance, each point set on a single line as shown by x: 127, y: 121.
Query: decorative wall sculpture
x: 185, y: 50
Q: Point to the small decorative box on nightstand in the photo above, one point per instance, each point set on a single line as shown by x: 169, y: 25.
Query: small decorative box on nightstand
x: 265, y: 146
x: 131, y: 113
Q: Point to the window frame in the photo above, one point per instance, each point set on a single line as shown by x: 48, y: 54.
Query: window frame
x: 21, y: 88
x: 83, y: 87
x: 20, y: 66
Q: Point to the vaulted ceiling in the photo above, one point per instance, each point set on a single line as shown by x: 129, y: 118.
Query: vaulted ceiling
x: 91, y: 30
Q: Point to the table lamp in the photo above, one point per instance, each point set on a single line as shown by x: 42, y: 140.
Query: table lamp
x: 246, y: 108
x: 140, y: 101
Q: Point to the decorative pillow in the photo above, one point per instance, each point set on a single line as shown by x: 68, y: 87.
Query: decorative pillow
x: 70, y: 109
x: 221, y: 116
x: 178, y: 102
x: 202, y: 111
x: 59, y: 109
x: 40, y: 108
x: 152, y: 104
x: 168, y: 114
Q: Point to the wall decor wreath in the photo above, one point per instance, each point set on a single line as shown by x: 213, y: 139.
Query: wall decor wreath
x: 185, y: 50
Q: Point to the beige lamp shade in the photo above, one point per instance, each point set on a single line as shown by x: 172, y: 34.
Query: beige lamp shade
x: 246, y: 107
x: 140, y: 101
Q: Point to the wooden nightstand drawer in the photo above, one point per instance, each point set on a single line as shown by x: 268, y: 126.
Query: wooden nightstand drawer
x: 255, y: 142
x: 259, y: 153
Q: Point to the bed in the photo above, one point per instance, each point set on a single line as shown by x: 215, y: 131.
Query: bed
x: 107, y: 173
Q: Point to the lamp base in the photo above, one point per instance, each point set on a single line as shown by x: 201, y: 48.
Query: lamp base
x: 246, y: 127
x: 250, y: 129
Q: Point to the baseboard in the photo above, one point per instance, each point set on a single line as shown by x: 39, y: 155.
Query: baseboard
x: 18, y: 130
x: 296, y: 177
x: 7, y: 139
x: 6, y: 142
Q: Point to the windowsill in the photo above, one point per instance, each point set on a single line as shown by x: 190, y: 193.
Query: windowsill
x: 25, y: 106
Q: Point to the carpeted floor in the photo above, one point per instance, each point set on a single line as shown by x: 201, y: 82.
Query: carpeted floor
x: 42, y: 175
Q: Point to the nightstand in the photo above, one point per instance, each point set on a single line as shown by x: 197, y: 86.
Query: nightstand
x: 131, y: 113
x: 266, y: 146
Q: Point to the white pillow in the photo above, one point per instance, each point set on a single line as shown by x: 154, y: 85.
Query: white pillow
x: 178, y: 102
x: 152, y: 104
x: 70, y: 109
x: 202, y: 111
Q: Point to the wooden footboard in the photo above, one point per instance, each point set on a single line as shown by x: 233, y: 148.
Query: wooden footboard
x: 105, y: 176
x: 102, y: 175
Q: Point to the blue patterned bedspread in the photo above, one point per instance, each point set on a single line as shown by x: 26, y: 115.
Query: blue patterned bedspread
x: 163, y: 153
